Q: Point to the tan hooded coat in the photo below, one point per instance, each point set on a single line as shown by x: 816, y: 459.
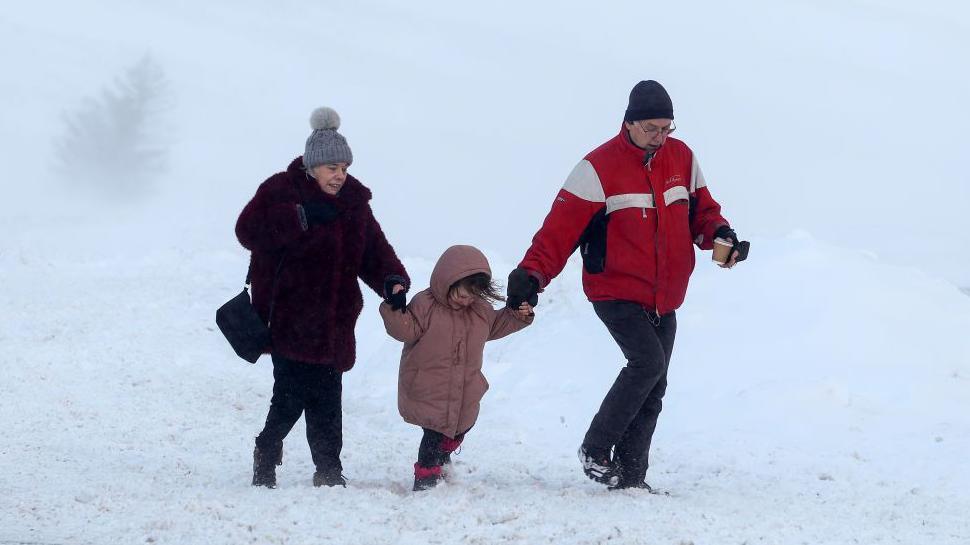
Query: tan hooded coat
x: 441, y: 385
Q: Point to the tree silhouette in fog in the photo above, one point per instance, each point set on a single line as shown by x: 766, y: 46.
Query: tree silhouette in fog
x: 117, y: 143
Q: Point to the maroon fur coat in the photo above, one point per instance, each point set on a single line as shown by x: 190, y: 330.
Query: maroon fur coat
x: 318, y: 298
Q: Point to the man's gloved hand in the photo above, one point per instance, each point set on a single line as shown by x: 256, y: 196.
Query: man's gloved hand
x: 319, y: 213
x: 739, y: 246
x: 726, y: 233
x: 522, y: 288
x: 397, y: 300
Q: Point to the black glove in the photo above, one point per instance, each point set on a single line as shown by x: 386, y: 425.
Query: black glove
x: 727, y: 233
x: 522, y: 288
x: 397, y: 300
x: 741, y: 246
x: 319, y: 213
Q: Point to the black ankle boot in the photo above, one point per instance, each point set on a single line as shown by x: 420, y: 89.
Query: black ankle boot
x: 329, y: 477
x: 264, y: 466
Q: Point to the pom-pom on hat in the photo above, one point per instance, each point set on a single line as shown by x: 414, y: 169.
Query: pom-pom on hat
x: 325, y: 145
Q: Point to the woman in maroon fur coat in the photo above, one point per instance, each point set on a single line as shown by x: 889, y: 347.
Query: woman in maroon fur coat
x: 312, y: 234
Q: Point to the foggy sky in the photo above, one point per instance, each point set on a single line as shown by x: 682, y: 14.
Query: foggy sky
x: 843, y: 119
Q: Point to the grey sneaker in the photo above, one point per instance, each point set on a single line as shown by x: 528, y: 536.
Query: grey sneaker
x: 642, y: 485
x: 598, y: 466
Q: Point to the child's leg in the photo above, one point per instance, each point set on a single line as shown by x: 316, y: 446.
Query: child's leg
x: 430, y: 451
x: 427, y: 470
x: 449, y: 445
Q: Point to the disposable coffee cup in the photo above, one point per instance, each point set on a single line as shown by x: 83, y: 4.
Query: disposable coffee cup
x: 722, y: 250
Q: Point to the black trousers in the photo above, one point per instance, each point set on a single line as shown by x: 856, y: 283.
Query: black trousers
x: 628, y: 415
x: 431, y: 452
x: 312, y: 389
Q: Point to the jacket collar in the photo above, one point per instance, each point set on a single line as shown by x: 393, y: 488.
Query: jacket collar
x: 629, y: 148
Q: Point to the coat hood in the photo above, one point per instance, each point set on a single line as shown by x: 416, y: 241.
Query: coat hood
x: 454, y: 264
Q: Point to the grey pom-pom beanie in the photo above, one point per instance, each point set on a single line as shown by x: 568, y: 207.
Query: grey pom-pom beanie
x: 325, y: 145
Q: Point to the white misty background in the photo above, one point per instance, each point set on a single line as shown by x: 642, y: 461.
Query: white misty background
x: 817, y: 392
x: 117, y: 143
x: 845, y: 120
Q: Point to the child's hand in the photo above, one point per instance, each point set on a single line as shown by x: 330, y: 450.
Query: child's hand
x: 525, y: 310
x: 395, y: 294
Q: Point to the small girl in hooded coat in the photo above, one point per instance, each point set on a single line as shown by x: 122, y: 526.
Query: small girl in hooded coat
x: 444, y: 330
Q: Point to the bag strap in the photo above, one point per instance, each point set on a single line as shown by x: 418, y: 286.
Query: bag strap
x: 249, y: 271
x: 272, y: 302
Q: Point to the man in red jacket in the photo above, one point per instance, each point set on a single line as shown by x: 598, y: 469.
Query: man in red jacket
x: 634, y: 207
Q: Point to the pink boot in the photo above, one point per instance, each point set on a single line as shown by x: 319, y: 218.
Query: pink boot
x: 426, y: 477
x: 449, y: 445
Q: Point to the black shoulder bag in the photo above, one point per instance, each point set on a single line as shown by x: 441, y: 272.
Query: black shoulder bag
x: 241, y: 324
x: 592, y: 242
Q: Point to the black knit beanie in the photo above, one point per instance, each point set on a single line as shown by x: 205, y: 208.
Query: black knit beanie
x: 649, y: 100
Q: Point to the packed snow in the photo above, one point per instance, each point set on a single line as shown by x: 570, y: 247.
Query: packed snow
x: 813, y: 398
x: 818, y: 392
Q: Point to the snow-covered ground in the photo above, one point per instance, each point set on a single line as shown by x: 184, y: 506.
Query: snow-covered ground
x: 816, y: 396
x: 818, y: 393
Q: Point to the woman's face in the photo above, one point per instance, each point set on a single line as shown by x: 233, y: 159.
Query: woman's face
x: 330, y: 177
x: 460, y: 296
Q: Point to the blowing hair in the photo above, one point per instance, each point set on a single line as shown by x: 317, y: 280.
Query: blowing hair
x: 480, y: 285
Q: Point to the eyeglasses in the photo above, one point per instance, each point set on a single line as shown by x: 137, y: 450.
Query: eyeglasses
x: 652, y: 130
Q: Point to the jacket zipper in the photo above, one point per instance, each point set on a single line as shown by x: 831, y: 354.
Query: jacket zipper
x: 656, y: 248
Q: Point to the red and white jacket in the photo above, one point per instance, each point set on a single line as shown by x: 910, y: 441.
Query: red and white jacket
x: 656, y: 212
